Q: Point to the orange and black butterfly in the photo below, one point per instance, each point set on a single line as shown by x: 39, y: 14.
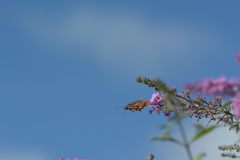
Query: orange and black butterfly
x: 137, y: 105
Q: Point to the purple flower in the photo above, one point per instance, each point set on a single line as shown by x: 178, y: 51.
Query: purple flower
x: 156, y: 108
x: 156, y: 98
x: 156, y: 101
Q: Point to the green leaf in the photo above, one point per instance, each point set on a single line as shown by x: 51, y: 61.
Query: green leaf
x: 203, y: 132
x: 199, y: 126
x: 200, y: 156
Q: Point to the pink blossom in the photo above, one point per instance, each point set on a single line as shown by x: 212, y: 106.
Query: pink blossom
x: 156, y: 98
x: 215, y: 86
x: 236, y: 105
x: 157, y: 101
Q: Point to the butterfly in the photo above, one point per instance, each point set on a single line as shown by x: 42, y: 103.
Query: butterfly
x: 137, y: 105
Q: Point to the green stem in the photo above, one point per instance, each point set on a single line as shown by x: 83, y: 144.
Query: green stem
x: 185, y: 140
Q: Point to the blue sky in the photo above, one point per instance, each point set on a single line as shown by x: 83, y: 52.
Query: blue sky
x: 67, y: 67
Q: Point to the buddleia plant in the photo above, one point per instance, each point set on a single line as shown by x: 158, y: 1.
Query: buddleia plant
x: 216, y: 100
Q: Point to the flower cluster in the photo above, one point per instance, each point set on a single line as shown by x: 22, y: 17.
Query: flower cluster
x: 168, y: 100
x: 220, y: 86
x: 199, y: 111
x: 156, y: 98
x: 157, y: 103
x: 215, y: 86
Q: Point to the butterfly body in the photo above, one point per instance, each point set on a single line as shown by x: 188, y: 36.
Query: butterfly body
x: 137, y: 105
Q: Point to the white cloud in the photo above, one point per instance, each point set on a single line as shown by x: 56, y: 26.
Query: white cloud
x: 118, y: 39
